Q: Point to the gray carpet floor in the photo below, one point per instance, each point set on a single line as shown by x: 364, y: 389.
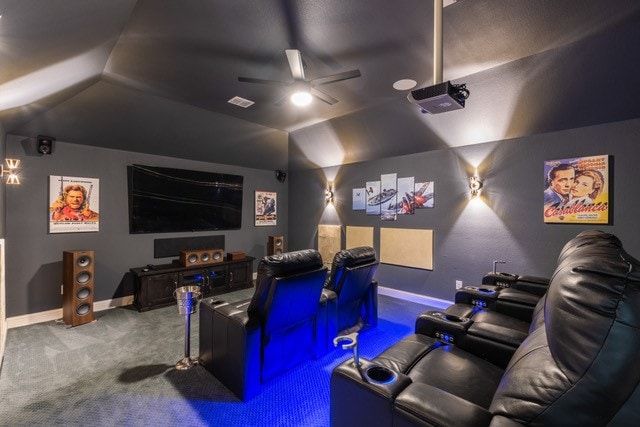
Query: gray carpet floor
x: 120, y: 371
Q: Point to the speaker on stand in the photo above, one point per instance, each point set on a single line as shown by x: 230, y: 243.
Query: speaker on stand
x: 275, y: 245
x: 77, y: 287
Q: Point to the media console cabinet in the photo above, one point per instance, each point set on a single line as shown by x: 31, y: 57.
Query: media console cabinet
x: 154, y: 285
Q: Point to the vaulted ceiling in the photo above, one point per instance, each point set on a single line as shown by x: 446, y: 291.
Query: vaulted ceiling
x: 154, y: 76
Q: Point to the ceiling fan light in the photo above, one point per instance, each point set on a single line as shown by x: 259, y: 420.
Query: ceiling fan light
x: 301, y: 98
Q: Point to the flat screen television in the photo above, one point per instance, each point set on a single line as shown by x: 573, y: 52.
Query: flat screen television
x: 163, y: 200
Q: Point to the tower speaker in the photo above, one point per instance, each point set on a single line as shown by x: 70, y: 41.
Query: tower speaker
x: 45, y: 144
x: 275, y: 245
x: 201, y: 257
x: 77, y: 287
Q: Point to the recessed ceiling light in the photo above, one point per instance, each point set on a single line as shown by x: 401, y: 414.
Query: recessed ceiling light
x: 301, y: 98
x: 405, y: 84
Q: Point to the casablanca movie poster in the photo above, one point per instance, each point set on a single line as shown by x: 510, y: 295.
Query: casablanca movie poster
x: 74, y: 204
x: 577, y: 190
x: 266, y: 208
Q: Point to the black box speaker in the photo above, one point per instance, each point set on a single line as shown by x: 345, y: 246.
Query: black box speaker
x: 45, y: 144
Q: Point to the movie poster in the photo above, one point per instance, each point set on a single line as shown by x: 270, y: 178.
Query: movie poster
x: 359, y: 199
x: 74, y: 204
x: 372, y: 196
x: 388, y: 196
x: 266, y: 208
x: 577, y: 190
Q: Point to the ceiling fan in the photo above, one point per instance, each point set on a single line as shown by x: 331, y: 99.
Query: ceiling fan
x: 303, y: 89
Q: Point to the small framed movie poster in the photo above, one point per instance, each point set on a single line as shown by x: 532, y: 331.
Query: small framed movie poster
x: 266, y: 212
x: 74, y: 204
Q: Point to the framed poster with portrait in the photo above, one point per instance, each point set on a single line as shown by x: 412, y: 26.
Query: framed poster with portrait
x: 74, y: 204
x: 266, y: 208
x: 577, y: 190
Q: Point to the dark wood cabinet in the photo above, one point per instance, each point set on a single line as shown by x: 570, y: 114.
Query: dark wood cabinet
x: 154, y: 286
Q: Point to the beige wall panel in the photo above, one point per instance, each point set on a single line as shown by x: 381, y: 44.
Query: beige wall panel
x: 407, y: 247
x: 329, y: 242
x: 359, y: 236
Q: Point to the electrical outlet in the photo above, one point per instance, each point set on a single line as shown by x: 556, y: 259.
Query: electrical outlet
x: 458, y: 284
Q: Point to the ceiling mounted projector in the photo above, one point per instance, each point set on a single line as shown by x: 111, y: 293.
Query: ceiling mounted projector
x: 439, y: 98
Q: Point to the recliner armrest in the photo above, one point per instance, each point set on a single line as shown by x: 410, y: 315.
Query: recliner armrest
x: 438, y: 324
x: 357, y: 402
x: 484, y: 296
x: 230, y: 347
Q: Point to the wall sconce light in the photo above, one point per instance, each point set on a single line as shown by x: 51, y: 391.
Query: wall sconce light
x: 475, y: 185
x: 12, y: 176
x: 328, y: 194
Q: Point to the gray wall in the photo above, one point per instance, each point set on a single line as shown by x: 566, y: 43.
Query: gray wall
x: 2, y: 187
x: 507, y: 224
x: 34, y: 257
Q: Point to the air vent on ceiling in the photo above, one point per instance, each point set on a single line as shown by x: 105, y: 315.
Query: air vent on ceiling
x: 240, y: 102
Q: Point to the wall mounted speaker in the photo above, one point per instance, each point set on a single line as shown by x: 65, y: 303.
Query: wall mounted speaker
x: 45, y: 144
x: 281, y: 175
x: 201, y: 257
x: 275, y: 246
x: 77, y: 287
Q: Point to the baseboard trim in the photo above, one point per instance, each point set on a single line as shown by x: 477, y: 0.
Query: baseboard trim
x: 420, y: 299
x: 47, y: 316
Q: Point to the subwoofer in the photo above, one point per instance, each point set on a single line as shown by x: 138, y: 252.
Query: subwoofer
x: 275, y: 245
x: 77, y: 287
x: 201, y: 257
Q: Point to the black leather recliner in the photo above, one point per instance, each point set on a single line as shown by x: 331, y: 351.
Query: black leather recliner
x: 351, y: 291
x: 577, y: 368
x: 244, y: 344
x: 493, y: 319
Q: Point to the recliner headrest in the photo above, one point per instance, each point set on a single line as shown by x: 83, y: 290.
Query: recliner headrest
x: 587, y: 237
x: 596, y: 287
x: 349, y: 258
x: 289, y: 263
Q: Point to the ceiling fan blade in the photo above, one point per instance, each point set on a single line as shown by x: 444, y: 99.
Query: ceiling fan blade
x: 295, y: 63
x: 262, y: 81
x: 280, y: 102
x: 323, y: 96
x: 335, y: 78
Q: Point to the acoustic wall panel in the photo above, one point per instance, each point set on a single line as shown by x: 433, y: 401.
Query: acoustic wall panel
x: 407, y: 247
x: 359, y: 236
x: 329, y: 242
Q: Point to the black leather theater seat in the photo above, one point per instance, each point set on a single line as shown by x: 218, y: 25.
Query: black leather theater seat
x: 244, y: 344
x: 352, y: 291
x: 578, y: 367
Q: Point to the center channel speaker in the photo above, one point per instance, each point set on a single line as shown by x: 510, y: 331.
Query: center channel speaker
x: 77, y: 287
x: 201, y: 257
x: 275, y: 245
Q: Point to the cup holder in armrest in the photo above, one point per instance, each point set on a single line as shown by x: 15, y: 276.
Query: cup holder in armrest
x: 380, y: 375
